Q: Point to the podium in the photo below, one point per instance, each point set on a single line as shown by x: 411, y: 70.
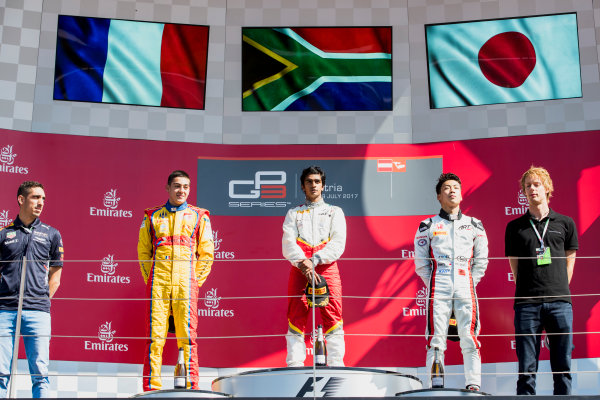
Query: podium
x: 180, y: 393
x: 318, y: 382
x: 441, y: 392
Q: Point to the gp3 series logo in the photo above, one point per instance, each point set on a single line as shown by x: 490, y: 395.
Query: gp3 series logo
x: 266, y: 185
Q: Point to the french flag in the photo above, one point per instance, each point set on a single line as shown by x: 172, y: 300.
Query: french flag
x: 130, y: 62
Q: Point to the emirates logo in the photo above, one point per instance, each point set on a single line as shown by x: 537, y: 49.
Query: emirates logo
x: 212, y: 310
x: 522, y: 199
x: 211, y: 299
x: 110, y: 199
x: 217, y: 240
x: 4, y: 219
x: 7, y: 156
x: 105, y: 333
x: 108, y: 265
x: 422, y: 297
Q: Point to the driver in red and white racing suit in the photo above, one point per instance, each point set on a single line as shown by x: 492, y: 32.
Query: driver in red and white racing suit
x: 314, y: 238
x: 451, y: 251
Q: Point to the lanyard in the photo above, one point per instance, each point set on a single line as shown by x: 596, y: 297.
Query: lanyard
x: 541, y: 238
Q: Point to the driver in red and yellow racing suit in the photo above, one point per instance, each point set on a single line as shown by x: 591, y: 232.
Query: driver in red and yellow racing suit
x: 314, y: 238
x: 175, y: 251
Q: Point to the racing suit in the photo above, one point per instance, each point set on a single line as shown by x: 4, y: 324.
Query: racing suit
x: 175, y: 251
x: 451, y: 257
x: 316, y: 231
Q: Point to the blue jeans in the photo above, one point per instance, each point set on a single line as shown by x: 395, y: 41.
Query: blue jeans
x: 35, y: 328
x: 531, y: 320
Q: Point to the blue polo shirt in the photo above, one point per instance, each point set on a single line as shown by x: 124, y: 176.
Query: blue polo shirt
x: 42, y: 246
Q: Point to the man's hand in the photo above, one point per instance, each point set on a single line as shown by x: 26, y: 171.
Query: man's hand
x: 308, y: 270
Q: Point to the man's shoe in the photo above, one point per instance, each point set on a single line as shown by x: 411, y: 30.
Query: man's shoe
x: 473, y: 388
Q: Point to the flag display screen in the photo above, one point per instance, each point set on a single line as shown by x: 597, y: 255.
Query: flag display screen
x: 503, y: 61
x: 104, y: 60
x: 317, y: 69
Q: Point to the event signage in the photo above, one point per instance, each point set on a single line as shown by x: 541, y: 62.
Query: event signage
x: 362, y: 187
x: 385, y: 191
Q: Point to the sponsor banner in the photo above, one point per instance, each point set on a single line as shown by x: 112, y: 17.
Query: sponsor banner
x: 110, y: 209
x: 359, y: 186
x: 8, y: 162
x: 108, y: 269
x: 103, y: 295
x: 211, y: 306
x: 105, y: 340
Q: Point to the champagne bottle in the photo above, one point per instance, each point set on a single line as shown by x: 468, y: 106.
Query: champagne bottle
x: 320, y: 350
x: 437, y: 371
x: 180, y: 372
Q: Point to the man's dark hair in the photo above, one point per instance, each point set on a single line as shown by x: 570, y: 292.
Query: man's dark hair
x: 312, y: 170
x: 177, y: 174
x: 26, y: 187
x: 449, y: 176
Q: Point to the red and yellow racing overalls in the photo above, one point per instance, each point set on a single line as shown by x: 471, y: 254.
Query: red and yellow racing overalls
x: 175, y: 251
x: 316, y: 231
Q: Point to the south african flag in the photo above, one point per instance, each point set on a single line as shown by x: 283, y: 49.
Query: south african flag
x: 317, y: 69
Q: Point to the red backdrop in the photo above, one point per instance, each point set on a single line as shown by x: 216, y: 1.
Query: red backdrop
x: 98, y: 312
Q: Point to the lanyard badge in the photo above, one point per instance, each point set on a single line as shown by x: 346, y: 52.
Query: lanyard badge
x: 542, y: 253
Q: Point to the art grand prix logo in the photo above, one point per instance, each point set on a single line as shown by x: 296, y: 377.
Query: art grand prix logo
x: 522, y: 207
x: 108, y: 268
x: 7, y: 161
x: 221, y: 254
x: 265, y: 185
x: 421, y: 302
x: 4, y: 219
x: 111, y: 204
x: 106, y: 336
x: 211, y: 302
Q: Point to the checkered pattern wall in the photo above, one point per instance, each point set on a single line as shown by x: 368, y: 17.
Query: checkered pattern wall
x: 109, y: 380
x: 28, y: 39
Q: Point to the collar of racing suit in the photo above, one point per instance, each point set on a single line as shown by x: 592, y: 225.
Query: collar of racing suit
x: 310, y: 204
x: 450, y: 217
x: 173, y: 208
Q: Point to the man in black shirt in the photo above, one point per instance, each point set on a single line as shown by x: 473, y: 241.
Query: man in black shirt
x: 541, y: 247
x: 41, y: 246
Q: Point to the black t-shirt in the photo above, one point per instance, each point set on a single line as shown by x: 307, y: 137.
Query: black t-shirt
x: 535, y: 280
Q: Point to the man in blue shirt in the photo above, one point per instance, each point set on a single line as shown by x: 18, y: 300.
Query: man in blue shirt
x: 41, y: 245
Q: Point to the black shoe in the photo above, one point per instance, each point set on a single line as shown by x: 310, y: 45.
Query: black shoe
x: 473, y: 388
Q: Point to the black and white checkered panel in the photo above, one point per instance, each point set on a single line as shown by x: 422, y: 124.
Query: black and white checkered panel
x: 536, y: 117
x: 124, y: 121
x: 19, y: 40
